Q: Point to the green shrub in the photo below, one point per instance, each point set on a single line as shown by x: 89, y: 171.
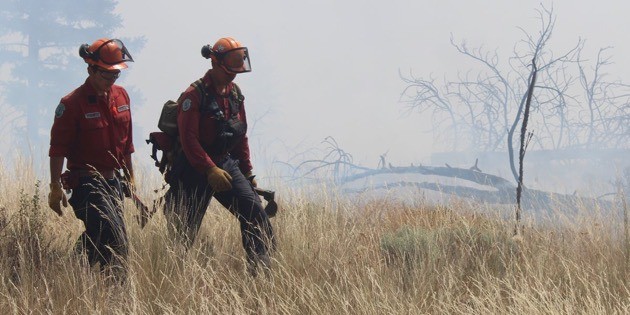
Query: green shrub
x: 467, y: 249
x: 23, y: 246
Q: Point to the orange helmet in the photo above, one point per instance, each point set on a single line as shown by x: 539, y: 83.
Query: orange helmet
x: 229, y: 54
x: 109, y: 54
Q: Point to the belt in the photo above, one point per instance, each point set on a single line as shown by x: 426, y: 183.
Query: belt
x: 110, y: 174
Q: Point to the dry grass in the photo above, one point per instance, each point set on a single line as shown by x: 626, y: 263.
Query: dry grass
x: 334, y: 257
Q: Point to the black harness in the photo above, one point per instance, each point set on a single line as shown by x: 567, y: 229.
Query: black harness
x: 230, y: 129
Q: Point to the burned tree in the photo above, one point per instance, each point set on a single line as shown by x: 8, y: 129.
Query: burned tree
x: 526, y: 137
x: 572, y: 110
x: 472, y: 182
x: 561, y: 109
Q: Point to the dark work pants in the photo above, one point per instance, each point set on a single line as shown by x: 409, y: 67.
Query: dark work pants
x: 98, y: 203
x: 189, y: 196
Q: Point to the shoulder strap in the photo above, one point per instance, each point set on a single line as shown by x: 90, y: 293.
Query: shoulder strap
x: 236, y: 93
x: 206, y: 101
x: 236, y: 99
x: 201, y: 88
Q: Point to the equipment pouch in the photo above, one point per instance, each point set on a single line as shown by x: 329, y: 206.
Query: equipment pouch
x: 168, y: 118
x: 236, y: 127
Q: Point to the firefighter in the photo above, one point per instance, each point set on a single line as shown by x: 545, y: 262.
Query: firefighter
x: 92, y: 131
x: 215, y: 156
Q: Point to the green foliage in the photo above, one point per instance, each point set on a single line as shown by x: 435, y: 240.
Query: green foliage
x: 30, y: 218
x: 23, y: 247
x: 471, y: 249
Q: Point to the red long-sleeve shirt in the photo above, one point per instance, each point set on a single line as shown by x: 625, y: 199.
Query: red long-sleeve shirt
x: 198, y: 130
x: 91, y: 130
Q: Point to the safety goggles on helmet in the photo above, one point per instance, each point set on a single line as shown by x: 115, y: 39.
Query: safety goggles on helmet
x: 112, y: 52
x: 235, y: 60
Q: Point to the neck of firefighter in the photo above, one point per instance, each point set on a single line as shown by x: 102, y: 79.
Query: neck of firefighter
x: 100, y: 85
x: 221, y: 80
x: 99, y: 88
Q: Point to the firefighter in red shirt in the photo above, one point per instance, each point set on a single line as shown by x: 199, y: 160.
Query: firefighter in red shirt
x: 92, y: 131
x: 216, y: 158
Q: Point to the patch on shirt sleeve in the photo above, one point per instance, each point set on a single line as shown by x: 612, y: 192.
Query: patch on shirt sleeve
x: 92, y: 115
x: 122, y: 108
x: 186, y: 105
x: 59, y: 110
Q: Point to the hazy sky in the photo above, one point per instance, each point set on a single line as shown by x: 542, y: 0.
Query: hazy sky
x: 331, y: 68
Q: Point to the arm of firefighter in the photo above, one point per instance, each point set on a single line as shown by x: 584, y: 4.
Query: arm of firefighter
x: 188, y: 125
x: 128, y: 169
x: 241, y: 150
x: 56, y: 165
x: 63, y: 133
x: 56, y: 194
x: 129, y: 148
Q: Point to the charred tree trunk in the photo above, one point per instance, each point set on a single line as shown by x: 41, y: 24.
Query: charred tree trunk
x: 525, y: 138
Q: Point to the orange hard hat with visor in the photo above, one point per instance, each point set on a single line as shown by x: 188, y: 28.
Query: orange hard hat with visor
x: 108, y: 54
x: 229, y: 54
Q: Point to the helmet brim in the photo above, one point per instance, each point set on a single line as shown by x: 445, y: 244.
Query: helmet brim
x: 118, y: 66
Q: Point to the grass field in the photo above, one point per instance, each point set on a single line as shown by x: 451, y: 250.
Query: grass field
x: 334, y: 257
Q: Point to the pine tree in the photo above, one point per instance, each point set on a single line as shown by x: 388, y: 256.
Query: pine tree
x: 39, y: 60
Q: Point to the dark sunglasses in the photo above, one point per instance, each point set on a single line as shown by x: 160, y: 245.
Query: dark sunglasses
x: 107, y: 75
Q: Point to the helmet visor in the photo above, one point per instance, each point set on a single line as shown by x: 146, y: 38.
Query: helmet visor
x: 236, y: 60
x: 113, y: 52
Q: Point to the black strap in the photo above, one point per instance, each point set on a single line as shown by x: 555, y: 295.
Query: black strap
x: 201, y: 88
x: 236, y: 101
x: 236, y: 98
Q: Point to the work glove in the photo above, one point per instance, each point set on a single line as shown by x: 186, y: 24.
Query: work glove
x: 219, y: 179
x: 55, y: 196
x: 251, y: 178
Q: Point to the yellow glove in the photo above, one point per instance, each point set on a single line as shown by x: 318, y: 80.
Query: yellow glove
x: 219, y: 179
x: 55, y: 196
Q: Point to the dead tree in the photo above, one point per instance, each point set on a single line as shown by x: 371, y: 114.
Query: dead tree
x: 336, y: 163
x: 525, y: 138
x: 488, y: 188
x: 424, y: 95
x: 481, y: 109
x: 607, y: 111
